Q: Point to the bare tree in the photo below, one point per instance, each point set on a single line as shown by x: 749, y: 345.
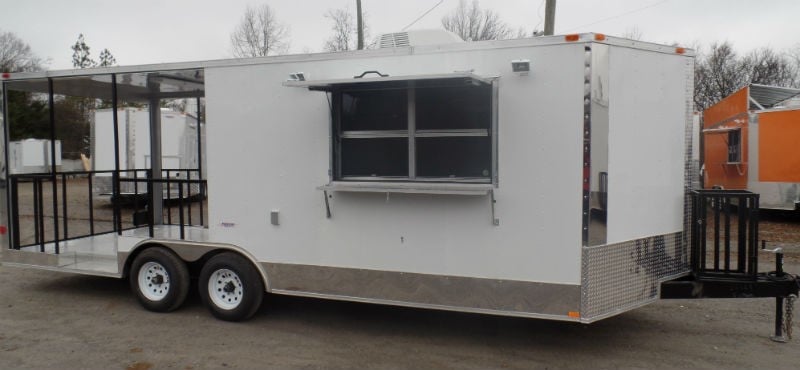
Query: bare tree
x: 16, y: 55
x: 475, y: 24
x: 633, y: 33
x: 717, y: 74
x: 344, y: 30
x: 767, y: 67
x: 794, y: 54
x: 721, y: 72
x: 259, y: 33
x: 521, y: 33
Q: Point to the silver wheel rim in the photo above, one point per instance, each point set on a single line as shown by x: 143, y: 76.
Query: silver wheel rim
x: 225, y: 289
x: 153, y: 281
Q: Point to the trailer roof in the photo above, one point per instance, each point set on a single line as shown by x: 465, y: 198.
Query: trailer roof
x: 480, y: 45
x: 132, y: 87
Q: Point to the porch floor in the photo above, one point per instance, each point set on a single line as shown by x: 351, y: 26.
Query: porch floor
x: 97, y: 254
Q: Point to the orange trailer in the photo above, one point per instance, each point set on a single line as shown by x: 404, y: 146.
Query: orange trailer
x: 751, y: 140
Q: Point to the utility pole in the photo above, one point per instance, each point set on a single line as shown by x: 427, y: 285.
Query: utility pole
x: 360, y: 26
x: 549, y: 17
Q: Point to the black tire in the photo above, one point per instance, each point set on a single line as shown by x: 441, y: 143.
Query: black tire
x: 166, y: 276
x: 231, y: 287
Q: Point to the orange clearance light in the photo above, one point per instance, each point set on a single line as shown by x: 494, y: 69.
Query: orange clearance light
x: 574, y: 314
x: 572, y: 37
x: 680, y: 50
x: 599, y: 37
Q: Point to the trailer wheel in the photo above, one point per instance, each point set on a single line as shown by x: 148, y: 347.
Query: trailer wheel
x: 231, y: 287
x: 160, y: 280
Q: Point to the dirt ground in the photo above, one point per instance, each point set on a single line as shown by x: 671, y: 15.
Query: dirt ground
x: 57, y: 320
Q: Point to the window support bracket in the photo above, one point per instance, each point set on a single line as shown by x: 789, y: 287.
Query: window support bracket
x: 495, y: 220
x: 327, y: 204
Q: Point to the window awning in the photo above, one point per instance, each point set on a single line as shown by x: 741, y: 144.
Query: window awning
x: 769, y: 96
x: 720, y: 130
x: 430, y: 80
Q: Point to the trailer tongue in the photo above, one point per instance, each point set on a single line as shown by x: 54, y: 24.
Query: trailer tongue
x: 725, y: 254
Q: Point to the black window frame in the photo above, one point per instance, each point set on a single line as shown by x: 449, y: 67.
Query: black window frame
x: 735, y: 146
x: 412, y: 134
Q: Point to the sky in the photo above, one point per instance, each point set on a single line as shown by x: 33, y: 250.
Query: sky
x: 152, y: 31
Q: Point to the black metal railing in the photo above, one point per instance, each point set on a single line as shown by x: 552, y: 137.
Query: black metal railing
x: 725, y: 233
x: 55, y: 223
x: 171, y: 178
x: 58, y: 213
x: 176, y: 191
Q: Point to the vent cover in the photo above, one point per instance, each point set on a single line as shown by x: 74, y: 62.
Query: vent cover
x: 416, y: 38
x: 394, y: 40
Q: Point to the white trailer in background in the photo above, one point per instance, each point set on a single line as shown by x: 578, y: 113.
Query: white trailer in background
x: 178, y: 147
x: 32, y: 156
x: 457, y: 176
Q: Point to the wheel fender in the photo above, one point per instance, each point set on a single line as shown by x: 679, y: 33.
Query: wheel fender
x: 191, y: 252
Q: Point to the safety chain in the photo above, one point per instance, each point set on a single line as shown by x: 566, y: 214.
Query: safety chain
x: 787, y: 322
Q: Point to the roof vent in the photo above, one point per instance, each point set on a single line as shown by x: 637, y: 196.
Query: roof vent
x: 418, y: 38
x: 394, y: 40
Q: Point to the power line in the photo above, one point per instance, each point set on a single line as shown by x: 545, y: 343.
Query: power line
x: 617, y: 16
x: 423, y: 15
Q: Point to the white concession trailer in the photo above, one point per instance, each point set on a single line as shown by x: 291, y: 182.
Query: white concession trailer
x: 32, y: 156
x: 542, y: 177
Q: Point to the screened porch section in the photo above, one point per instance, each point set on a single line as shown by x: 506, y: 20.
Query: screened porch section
x: 101, y: 161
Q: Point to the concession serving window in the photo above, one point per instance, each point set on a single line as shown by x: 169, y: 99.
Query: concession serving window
x: 733, y: 140
x: 426, y: 133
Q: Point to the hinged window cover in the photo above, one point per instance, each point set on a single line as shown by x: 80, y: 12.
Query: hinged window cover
x: 390, y: 81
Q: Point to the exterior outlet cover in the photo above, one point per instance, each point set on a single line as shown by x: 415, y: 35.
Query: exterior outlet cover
x: 273, y: 217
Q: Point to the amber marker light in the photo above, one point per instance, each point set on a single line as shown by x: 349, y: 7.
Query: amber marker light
x: 574, y: 314
x: 572, y: 37
x: 599, y: 37
x: 680, y: 50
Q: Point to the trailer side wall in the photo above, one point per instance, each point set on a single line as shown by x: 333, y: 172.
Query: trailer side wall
x: 778, y: 157
x: 270, y: 146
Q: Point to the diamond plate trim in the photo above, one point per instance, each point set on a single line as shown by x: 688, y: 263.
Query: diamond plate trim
x: 622, y: 276
x: 691, y: 172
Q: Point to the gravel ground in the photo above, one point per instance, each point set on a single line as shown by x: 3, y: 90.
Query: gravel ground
x: 54, y: 320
